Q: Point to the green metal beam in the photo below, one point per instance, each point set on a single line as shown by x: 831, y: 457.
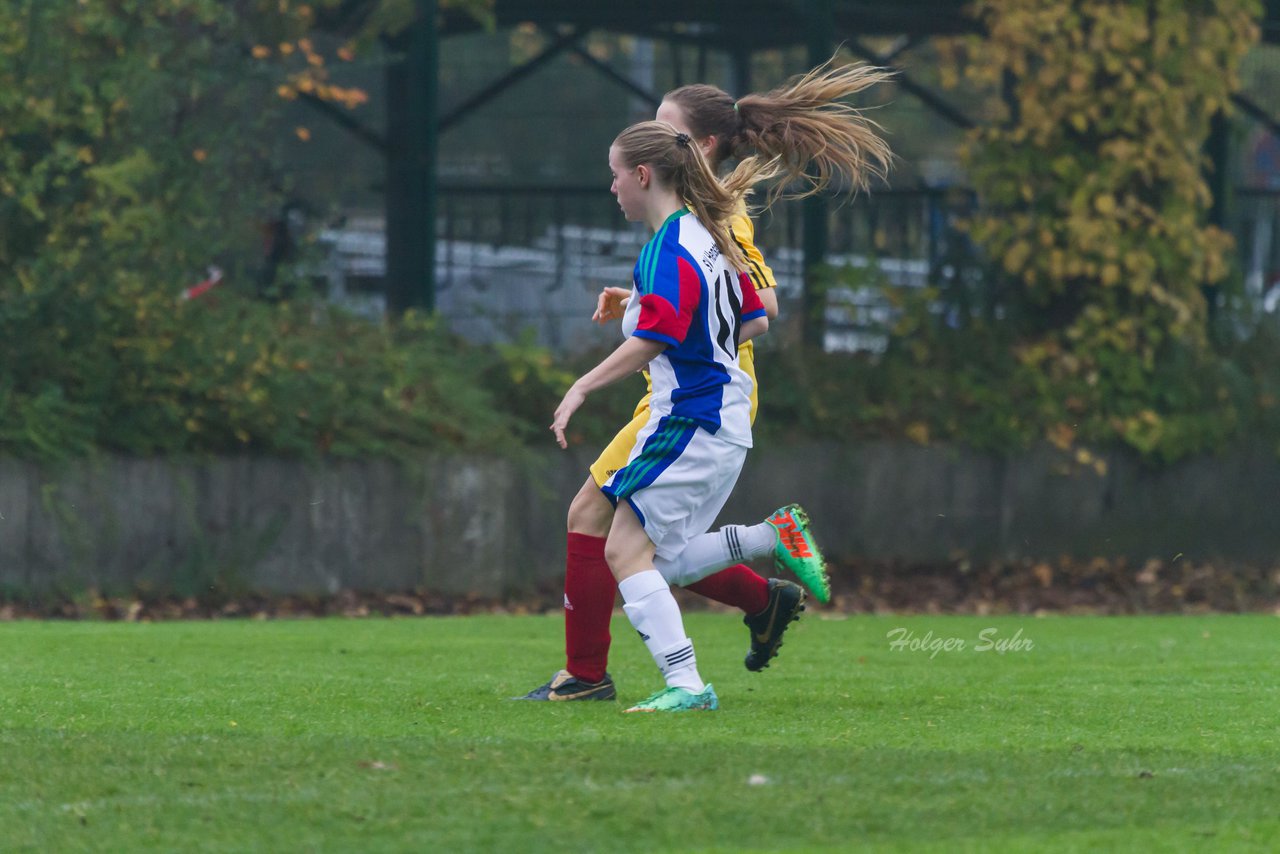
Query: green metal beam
x: 639, y: 91
x: 1251, y: 109
x: 412, y: 132
x: 561, y: 43
x: 820, y: 43
x: 1271, y: 22
x: 937, y: 104
x: 751, y: 24
x: 346, y: 121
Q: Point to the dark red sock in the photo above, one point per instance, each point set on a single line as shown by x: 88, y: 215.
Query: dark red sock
x: 739, y: 586
x: 589, y: 592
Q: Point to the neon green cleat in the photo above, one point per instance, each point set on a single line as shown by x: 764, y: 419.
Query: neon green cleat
x: 679, y: 700
x: 798, y: 552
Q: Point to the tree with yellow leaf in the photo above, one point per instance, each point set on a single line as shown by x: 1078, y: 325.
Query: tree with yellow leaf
x: 135, y: 151
x: 1094, y: 204
x: 1093, y: 220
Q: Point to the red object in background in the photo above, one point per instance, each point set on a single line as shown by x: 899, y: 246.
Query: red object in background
x: 215, y: 276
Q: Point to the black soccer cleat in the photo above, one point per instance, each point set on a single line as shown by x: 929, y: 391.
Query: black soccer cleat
x: 786, y: 601
x: 565, y: 686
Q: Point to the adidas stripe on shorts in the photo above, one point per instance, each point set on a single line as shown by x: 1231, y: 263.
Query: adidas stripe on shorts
x: 677, y: 479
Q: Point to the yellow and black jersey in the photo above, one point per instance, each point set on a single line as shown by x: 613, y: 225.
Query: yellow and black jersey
x: 743, y: 233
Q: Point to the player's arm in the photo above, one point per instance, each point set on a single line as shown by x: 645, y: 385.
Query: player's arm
x: 610, y: 304
x: 769, y: 298
x: 633, y: 354
x: 744, y: 233
x: 666, y: 311
x: 754, y: 313
x: 663, y: 323
x: 753, y: 328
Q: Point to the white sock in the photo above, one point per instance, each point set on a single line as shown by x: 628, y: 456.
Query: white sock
x: 651, y: 608
x: 707, y: 554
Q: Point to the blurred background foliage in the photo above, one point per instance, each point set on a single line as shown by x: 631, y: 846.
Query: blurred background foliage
x: 144, y: 142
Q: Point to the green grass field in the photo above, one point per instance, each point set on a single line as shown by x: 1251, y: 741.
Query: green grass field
x: 395, y: 735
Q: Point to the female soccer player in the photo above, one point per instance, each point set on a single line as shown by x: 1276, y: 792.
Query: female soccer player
x: 803, y: 124
x: 687, y: 313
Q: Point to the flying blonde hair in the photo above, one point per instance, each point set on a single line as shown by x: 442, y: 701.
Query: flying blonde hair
x: 802, y: 127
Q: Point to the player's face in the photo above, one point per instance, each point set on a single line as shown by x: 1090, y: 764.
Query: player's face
x: 626, y: 187
x: 673, y: 114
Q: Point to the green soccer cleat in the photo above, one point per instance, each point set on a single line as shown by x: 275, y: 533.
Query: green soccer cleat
x: 679, y: 700
x: 786, y: 601
x: 565, y: 686
x: 797, y: 551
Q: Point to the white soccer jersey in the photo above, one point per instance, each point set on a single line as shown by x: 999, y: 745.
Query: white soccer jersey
x: 689, y: 453
x: 686, y: 296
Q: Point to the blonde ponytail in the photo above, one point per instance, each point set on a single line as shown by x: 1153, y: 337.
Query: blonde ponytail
x: 678, y: 163
x: 802, y: 129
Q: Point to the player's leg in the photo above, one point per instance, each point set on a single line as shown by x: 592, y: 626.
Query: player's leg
x: 787, y: 535
x: 738, y: 586
x: 589, y: 594
x: 589, y: 587
x: 769, y: 606
x: 654, y: 614
x: 671, y: 489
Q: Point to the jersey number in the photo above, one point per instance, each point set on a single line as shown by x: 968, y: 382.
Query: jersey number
x: 730, y: 327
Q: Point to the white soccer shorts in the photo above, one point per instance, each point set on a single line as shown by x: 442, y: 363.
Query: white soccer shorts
x: 677, y: 480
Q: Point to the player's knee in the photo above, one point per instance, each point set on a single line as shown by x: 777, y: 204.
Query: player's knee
x: 622, y: 561
x: 614, y: 557
x: 590, y: 513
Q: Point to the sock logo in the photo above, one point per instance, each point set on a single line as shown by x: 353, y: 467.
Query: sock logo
x: 643, y: 636
x: 568, y: 606
x: 732, y: 542
x: 684, y: 655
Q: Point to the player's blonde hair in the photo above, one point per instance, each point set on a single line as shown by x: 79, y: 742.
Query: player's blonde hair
x: 679, y: 165
x: 801, y: 126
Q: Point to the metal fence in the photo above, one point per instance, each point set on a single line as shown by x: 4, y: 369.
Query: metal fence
x: 514, y: 262
x: 1256, y: 225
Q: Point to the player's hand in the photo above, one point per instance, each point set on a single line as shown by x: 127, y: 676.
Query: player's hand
x: 573, y: 398
x: 611, y: 304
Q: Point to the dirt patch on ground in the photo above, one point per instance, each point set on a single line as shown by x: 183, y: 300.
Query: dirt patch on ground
x: 1098, y: 586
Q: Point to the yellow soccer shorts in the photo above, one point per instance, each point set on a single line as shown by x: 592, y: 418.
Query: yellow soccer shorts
x: 618, y: 451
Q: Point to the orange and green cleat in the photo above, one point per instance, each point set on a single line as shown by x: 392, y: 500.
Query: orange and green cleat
x: 798, y: 552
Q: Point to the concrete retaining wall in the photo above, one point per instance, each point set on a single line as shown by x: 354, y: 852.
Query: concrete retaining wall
x: 490, y: 526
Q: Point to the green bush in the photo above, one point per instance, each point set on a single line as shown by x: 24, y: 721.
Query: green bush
x: 147, y: 375
x: 144, y: 373
x: 228, y: 373
x: 528, y: 381
x: 972, y: 383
